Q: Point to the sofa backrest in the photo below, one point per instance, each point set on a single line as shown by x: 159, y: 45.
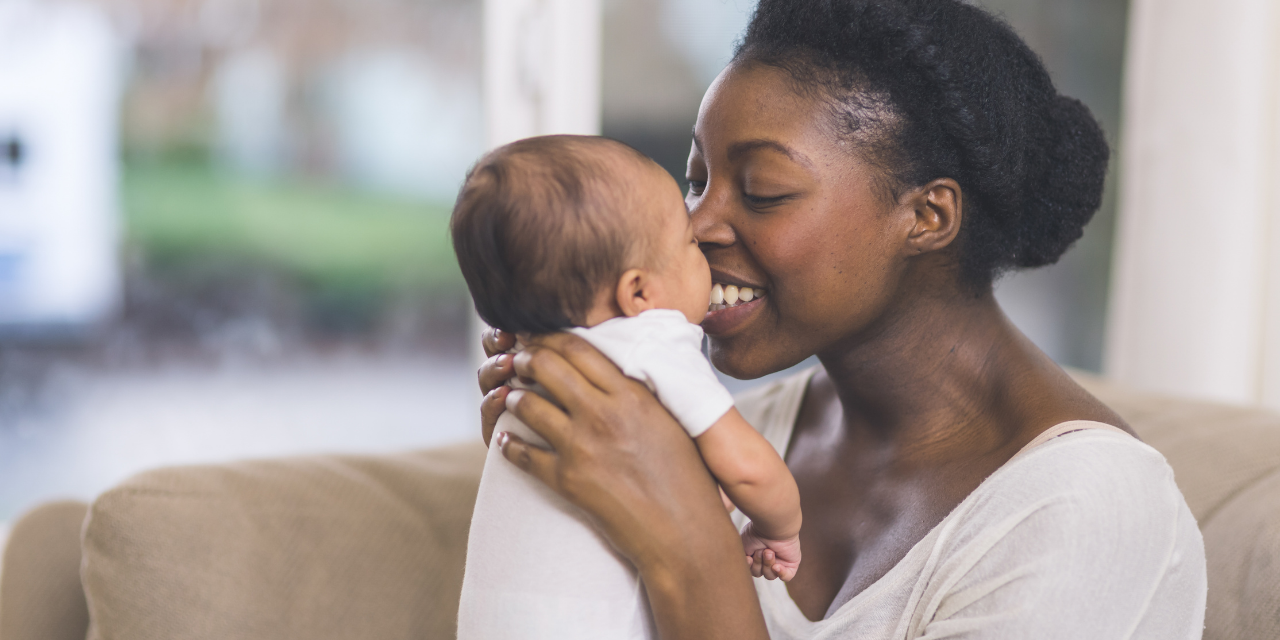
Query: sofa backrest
x: 307, y: 548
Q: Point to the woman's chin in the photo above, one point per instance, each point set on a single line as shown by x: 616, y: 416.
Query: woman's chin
x: 744, y: 359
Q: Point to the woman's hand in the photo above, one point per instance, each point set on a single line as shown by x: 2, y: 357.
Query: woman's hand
x: 493, y: 375
x: 620, y: 457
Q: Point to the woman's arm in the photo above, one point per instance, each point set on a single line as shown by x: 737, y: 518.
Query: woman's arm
x: 620, y: 457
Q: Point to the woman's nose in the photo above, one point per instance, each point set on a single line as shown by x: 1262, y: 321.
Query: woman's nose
x: 710, y: 217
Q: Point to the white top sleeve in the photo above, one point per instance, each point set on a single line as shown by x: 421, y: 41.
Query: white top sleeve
x: 664, y: 350
x: 1035, y: 560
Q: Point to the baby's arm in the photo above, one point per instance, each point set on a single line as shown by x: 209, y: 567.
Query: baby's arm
x: 756, y: 479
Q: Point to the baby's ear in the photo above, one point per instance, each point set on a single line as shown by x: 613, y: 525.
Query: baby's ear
x: 635, y: 292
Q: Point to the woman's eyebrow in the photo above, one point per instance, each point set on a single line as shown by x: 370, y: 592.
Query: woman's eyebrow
x: 739, y: 149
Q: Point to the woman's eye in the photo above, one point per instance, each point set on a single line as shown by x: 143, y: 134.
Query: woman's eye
x: 763, y: 201
x: 696, y: 187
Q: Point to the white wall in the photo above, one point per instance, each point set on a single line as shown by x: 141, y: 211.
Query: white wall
x: 60, y: 80
x: 541, y: 68
x: 1195, y: 306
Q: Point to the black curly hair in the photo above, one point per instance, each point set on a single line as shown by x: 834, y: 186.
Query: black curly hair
x: 939, y: 88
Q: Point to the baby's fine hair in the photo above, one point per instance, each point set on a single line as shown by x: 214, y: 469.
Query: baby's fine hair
x: 539, y: 229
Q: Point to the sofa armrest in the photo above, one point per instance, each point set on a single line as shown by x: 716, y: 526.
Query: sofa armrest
x: 40, y: 593
x: 317, y: 547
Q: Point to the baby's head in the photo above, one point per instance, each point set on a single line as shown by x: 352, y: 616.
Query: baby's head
x: 560, y: 231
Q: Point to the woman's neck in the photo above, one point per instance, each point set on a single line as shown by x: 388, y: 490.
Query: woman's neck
x: 933, y: 369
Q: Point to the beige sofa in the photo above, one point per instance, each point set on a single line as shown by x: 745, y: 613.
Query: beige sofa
x: 372, y: 546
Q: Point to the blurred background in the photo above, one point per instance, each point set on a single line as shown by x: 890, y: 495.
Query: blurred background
x: 223, y: 222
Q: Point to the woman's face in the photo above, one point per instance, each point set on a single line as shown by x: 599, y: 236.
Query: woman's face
x: 782, y: 204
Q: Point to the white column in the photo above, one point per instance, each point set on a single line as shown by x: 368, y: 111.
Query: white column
x: 541, y: 68
x: 1195, y: 300
x: 541, y: 72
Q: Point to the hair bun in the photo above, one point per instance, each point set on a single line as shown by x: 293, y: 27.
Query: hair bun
x: 1064, y: 195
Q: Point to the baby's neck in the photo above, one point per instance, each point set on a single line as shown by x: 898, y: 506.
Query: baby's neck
x: 601, y: 313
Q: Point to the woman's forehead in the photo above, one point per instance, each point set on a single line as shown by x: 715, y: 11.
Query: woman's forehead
x: 754, y: 107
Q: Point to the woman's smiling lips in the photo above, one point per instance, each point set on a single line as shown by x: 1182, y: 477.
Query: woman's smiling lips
x: 722, y: 321
x: 731, y: 304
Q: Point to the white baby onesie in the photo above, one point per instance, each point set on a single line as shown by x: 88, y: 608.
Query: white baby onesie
x: 536, y: 568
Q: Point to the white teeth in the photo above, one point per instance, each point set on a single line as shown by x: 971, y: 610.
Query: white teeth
x: 725, y: 296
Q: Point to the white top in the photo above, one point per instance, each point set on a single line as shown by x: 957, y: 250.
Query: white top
x: 536, y: 567
x: 662, y: 349
x: 1083, y: 536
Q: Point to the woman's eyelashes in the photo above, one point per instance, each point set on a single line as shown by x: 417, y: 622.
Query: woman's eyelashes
x: 755, y: 201
x: 764, y: 202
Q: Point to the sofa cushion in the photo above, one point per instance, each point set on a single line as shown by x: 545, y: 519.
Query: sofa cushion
x: 40, y: 594
x: 315, y: 548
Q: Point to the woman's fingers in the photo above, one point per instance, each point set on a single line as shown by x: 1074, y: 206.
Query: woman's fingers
x: 561, y: 378
x: 494, y: 403
x: 593, y: 365
x: 496, y: 341
x: 493, y: 376
x: 495, y: 372
x: 544, y: 418
x: 535, y: 461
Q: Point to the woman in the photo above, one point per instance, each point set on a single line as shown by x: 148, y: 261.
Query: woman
x: 873, y: 165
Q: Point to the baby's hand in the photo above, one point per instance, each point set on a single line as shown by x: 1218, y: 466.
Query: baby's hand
x: 771, y: 558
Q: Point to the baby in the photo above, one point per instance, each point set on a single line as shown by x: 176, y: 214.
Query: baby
x: 587, y: 235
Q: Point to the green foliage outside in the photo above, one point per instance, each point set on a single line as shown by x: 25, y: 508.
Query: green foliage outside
x: 325, y: 237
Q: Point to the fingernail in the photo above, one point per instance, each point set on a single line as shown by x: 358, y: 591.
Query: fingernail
x: 503, y: 438
x: 513, y: 398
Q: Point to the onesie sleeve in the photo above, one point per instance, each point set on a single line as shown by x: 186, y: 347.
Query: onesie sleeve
x: 1081, y: 539
x: 672, y: 365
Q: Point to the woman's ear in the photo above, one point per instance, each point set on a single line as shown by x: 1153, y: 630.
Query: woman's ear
x: 938, y: 210
x: 635, y: 292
